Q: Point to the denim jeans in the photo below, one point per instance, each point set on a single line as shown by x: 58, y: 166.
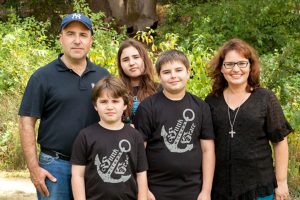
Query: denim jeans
x: 271, y: 197
x: 61, y: 170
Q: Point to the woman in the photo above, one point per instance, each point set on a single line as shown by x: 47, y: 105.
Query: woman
x: 136, y: 71
x: 246, y: 118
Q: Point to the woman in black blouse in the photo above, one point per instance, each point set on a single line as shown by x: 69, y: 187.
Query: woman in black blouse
x: 246, y: 118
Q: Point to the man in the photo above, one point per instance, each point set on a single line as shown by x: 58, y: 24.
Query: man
x: 59, y: 94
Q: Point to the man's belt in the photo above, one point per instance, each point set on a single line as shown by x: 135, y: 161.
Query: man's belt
x: 55, y: 154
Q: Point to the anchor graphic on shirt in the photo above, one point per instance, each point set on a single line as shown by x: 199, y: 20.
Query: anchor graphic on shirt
x: 112, y: 164
x: 178, y: 135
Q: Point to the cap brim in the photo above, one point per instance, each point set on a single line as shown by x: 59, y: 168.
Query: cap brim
x: 67, y: 23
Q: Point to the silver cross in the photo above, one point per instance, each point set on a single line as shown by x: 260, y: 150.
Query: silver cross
x: 232, y: 132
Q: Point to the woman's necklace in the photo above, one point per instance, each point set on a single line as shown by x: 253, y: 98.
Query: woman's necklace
x: 232, y: 132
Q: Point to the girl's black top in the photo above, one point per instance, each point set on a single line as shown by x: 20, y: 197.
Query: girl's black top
x: 244, y: 164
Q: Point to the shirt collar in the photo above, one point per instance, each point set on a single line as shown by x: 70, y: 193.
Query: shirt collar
x: 62, y: 67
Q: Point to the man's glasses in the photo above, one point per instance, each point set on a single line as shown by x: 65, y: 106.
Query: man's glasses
x: 240, y: 64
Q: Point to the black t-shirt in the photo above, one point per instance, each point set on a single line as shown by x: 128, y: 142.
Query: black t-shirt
x: 173, y: 130
x: 136, y: 102
x: 62, y: 100
x: 112, y: 159
x: 244, y: 165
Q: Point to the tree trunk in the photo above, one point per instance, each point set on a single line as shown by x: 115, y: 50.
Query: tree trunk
x: 135, y: 14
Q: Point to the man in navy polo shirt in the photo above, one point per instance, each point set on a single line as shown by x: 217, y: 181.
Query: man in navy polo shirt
x: 59, y: 94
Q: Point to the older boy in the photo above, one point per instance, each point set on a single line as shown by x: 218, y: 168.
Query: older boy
x: 178, y: 135
x: 108, y: 158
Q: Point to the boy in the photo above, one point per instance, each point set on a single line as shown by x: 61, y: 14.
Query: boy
x: 108, y: 158
x: 178, y: 135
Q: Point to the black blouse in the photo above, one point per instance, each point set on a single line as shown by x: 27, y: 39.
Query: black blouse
x: 244, y: 164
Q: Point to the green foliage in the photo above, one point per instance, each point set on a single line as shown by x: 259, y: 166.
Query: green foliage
x: 41, y: 10
x: 294, y: 164
x: 23, y: 48
x: 169, y: 41
x: 145, y: 37
x: 82, y: 7
x: 11, y: 156
x: 199, y: 83
x: 267, y: 25
x: 281, y: 73
x: 105, y: 47
x: 194, y: 27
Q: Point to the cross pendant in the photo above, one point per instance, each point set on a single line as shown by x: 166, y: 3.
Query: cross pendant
x: 232, y: 132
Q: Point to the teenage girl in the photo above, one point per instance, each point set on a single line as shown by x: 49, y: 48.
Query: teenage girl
x: 136, y: 71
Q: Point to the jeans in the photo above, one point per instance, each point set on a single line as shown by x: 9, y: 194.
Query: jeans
x: 271, y: 197
x: 61, y: 170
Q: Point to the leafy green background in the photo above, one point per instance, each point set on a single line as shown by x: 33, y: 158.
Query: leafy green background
x: 196, y: 27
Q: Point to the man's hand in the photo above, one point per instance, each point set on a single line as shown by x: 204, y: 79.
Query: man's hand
x: 38, y: 176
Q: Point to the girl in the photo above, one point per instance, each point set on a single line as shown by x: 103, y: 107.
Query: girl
x: 136, y: 71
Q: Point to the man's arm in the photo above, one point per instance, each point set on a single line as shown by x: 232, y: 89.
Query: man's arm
x: 281, y: 153
x: 208, y: 168
x: 77, y: 181
x: 27, y: 135
x: 142, y: 185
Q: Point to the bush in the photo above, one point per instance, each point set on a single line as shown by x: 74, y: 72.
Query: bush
x: 23, y: 48
x: 11, y: 155
x: 267, y: 25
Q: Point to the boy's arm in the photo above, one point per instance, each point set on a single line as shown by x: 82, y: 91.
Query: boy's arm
x: 77, y: 181
x: 142, y: 185
x: 142, y: 122
x: 208, y: 168
x: 281, y: 166
x: 150, y: 194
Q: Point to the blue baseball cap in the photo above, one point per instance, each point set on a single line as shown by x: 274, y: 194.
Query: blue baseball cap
x: 79, y: 17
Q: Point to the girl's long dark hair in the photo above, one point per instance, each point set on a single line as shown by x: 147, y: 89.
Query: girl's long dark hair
x: 147, y: 85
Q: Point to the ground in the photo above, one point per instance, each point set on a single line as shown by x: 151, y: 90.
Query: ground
x: 20, y: 188
x: 17, y: 186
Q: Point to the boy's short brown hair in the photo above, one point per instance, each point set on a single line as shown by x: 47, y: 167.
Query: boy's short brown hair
x: 114, y: 86
x: 169, y: 57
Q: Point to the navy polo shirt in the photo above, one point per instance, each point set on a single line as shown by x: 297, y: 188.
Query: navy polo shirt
x: 61, y: 99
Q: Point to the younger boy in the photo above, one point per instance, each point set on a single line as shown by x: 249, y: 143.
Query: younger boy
x: 108, y: 158
x: 178, y: 135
